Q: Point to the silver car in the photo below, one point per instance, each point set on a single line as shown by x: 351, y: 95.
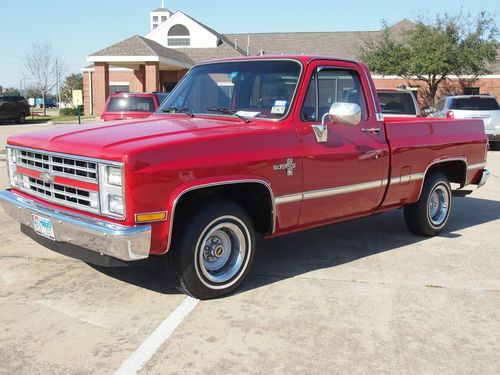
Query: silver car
x: 484, y: 107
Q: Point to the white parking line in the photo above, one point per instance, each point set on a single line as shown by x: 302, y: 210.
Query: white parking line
x: 149, y: 347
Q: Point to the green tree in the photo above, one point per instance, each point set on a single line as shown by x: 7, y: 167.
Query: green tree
x: 432, y: 51
x: 9, y: 91
x: 71, y: 82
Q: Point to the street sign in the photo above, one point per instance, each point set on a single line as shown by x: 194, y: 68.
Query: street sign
x: 77, y: 97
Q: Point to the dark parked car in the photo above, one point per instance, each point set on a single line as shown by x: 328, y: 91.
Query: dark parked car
x: 14, y: 108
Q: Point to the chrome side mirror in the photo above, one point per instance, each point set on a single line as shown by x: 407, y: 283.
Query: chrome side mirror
x: 340, y: 113
x: 345, y: 113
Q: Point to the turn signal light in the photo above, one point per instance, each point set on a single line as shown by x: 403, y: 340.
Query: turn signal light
x: 155, y: 216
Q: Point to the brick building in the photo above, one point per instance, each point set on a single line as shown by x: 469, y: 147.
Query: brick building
x: 176, y: 42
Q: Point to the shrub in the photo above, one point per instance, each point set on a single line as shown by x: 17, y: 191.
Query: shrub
x: 69, y: 112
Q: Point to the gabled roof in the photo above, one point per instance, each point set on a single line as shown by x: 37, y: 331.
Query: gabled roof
x: 345, y: 44
x: 140, y: 46
x: 222, y: 37
x: 162, y: 10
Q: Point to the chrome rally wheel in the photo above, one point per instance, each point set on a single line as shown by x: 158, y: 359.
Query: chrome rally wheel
x: 213, y: 250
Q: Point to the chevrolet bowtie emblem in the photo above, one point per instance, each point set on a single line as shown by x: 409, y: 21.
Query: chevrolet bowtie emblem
x: 46, y: 178
x: 289, y: 166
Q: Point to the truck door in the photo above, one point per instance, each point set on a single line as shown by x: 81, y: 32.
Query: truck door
x: 346, y: 175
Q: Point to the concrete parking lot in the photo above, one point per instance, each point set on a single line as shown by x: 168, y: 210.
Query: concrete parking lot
x: 353, y: 298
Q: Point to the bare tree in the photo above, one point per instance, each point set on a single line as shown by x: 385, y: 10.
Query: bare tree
x: 42, y: 69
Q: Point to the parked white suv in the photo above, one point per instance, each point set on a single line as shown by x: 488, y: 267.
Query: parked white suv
x: 484, y: 107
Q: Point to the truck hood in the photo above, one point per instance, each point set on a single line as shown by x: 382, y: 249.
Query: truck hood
x: 114, y: 140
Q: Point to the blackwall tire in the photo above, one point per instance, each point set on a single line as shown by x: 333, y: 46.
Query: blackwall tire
x: 21, y: 118
x: 430, y: 214
x: 212, y: 250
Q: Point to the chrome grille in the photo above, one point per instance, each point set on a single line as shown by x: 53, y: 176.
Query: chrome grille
x: 60, y: 194
x: 58, y: 165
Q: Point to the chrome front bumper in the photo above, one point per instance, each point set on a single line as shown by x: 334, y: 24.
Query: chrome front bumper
x: 100, y: 236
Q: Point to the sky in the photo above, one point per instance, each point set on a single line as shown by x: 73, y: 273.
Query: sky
x: 76, y: 29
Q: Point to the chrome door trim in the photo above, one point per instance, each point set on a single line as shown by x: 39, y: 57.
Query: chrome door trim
x: 344, y: 189
x: 313, y: 194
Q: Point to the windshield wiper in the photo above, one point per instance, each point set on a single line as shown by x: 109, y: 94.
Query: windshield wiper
x: 229, y: 112
x: 185, y: 110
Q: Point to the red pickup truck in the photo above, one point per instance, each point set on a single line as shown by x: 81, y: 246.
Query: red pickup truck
x: 267, y: 145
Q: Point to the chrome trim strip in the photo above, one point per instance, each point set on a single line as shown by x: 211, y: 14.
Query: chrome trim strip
x: 290, y: 198
x: 406, y: 179
x: 462, y: 159
x: 229, y: 182
x: 100, y: 236
x: 343, y: 189
x: 313, y: 194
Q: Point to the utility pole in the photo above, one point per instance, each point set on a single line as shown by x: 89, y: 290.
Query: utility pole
x: 58, y: 73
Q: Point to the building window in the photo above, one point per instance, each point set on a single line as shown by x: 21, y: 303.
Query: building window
x: 118, y: 88
x: 471, y: 91
x: 155, y: 18
x: 163, y: 18
x: 178, y: 36
x: 155, y: 25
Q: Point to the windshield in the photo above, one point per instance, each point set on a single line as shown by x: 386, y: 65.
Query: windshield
x: 397, y: 103
x: 131, y: 104
x: 260, y: 89
x: 475, y: 103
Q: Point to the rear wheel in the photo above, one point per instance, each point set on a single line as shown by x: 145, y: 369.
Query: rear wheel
x: 430, y: 214
x: 213, y: 250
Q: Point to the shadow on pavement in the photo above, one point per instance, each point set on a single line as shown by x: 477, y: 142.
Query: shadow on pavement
x: 296, y: 254
x: 27, y: 122
x: 288, y: 256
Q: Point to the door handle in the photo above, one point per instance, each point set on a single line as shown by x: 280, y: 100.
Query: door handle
x: 371, y: 130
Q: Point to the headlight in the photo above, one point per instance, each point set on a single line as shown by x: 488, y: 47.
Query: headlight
x: 111, y: 190
x: 115, y: 204
x: 114, y: 176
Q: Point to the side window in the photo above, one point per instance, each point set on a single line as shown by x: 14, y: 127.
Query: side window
x: 440, y: 105
x: 328, y: 86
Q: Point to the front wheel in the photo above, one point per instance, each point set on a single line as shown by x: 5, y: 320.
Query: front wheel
x: 495, y: 146
x: 430, y: 214
x: 21, y: 118
x: 213, y: 250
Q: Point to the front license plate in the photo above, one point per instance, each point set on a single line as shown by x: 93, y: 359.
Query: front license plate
x: 43, y: 227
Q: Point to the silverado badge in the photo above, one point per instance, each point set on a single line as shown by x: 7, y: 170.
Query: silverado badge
x: 289, y: 166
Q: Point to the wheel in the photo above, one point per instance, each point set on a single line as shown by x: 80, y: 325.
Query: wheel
x: 21, y: 118
x: 495, y: 146
x: 212, y: 250
x: 430, y: 214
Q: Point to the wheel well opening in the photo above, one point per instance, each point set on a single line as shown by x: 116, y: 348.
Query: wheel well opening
x: 253, y: 197
x: 455, y: 171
